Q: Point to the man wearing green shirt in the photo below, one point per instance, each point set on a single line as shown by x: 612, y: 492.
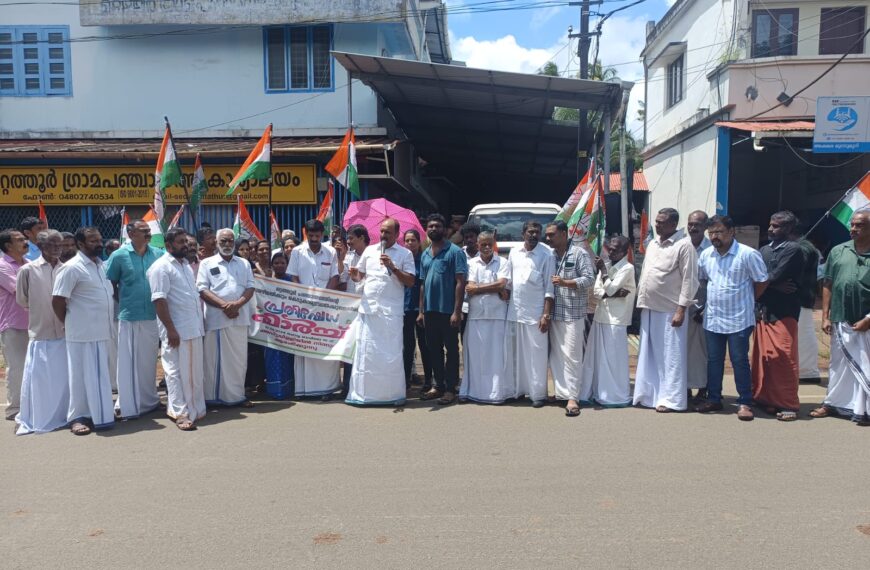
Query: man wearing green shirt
x: 846, y: 317
x: 138, y: 339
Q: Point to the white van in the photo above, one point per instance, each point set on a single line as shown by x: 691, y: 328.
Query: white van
x: 507, y: 220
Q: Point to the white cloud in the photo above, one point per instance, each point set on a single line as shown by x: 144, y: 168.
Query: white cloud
x: 624, y: 38
x: 541, y: 16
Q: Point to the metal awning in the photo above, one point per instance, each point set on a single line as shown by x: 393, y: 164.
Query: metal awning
x: 765, y: 126
x: 463, y: 119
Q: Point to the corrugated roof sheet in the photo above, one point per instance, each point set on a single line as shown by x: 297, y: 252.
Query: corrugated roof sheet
x: 213, y: 146
x: 753, y: 126
x: 640, y: 183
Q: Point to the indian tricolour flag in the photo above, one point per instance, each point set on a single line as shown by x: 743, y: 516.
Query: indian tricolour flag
x: 858, y: 198
x: 324, y: 214
x: 166, y: 174
x: 199, y: 186
x: 588, y: 216
x: 151, y: 219
x: 275, y: 231
x: 258, y: 166
x: 580, y: 193
x: 342, y: 165
x: 244, y: 226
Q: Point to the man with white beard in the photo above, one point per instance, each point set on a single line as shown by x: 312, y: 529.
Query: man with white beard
x: 226, y: 285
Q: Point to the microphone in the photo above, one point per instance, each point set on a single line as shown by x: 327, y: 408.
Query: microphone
x: 383, y: 249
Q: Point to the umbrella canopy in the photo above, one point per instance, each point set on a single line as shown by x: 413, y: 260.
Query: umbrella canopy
x: 370, y: 213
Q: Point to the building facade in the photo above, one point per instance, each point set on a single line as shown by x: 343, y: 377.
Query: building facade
x: 84, y: 89
x: 729, y: 125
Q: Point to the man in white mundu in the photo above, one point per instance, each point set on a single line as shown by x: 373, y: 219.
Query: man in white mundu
x: 315, y: 264
x: 45, y: 387
x: 605, y: 367
x: 668, y: 283
x: 138, y: 339
x: 529, y: 270
x: 177, y: 304
x: 82, y: 300
x: 385, y: 269
x: 226, y: 285
x: 483, y: 376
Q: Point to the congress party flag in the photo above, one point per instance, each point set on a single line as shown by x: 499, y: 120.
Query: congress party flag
x: 342, y: 166
x: 258, y: 166
x: 244, y: 226
x: 166, y: 174
x: 858, y: 198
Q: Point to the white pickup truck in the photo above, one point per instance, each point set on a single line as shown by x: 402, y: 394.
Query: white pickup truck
x: 507, y: 220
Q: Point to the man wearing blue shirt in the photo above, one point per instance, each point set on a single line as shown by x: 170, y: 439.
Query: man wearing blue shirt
x: 443, y: 269
x: 138, y: 337
x: 734, y: 275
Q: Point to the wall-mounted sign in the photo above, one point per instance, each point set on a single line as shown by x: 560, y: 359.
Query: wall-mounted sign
x: 842, y: 124
x: 134, y: 185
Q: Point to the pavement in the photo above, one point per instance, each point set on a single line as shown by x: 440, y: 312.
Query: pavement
x: 322, y: 485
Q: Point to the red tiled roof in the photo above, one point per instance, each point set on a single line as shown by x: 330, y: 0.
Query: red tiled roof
x: 640, y: 183
x: 753, y: 126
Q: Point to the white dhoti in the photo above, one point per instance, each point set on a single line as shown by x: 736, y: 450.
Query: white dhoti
x: 45, y: 388
x: 566, y: 358
x: 138, y: 344
x: 696, y: 354
x: 14, y: 352
x: 849, y: 376
x: 316, y: 377
x: 661, y: 378
x: 90, y: 387
x: 112, y: 347
x: 225, y: 365
x: 484, y: 377
x: 182, y: 370
x: 605, y: 367
x: 526, y: 351
x: 808, y: 346
x: 378, y: 376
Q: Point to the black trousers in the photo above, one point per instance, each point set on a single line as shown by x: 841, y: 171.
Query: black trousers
x: 441, y: 337
x: 414, y: 335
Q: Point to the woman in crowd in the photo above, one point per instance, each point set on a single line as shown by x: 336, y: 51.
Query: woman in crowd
x: 243, y: 249
x: 412, y: 307
x: 279, y: 364
x: 263, y: 260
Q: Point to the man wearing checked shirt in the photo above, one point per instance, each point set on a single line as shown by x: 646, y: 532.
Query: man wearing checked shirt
x: 735, y: 276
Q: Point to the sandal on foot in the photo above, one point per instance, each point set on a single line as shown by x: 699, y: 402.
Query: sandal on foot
x: 447, y: 398
x: 184, y: 424
x: 79, y: 428
x: 572, y: 412
x: 708, y: 407
x: 246, y: 404
x: 744, y: 413
x: 663, y: 409
x: 432, y: 394
x: 821, y: 412
x: 786, y: 416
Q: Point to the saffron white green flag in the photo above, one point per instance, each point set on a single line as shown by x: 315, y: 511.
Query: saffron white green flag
x: 858, y: 198
x: 244, y: 226
x: 342, y: 165
x: 199, y: 187
x: 258, y: 166
x: 166, y: 174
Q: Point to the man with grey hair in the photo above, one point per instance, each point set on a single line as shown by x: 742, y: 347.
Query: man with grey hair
x: 668, y: 283
x: 696, y: 227
x: 138, y: 338
x: 226, y: 285
x: 45, y: 386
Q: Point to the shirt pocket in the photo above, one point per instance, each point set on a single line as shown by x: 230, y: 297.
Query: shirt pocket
x: 322, y: 272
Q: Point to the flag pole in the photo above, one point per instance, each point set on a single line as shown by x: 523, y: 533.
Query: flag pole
x: 183, y: 181
x: 828, y: 213
x: 271, y: 169
x: 574, y: 229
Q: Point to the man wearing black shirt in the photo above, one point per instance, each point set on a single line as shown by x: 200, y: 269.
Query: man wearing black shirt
x: 775, y: 351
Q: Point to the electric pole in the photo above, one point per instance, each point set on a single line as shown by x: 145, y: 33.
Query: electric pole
x: 583, y: 55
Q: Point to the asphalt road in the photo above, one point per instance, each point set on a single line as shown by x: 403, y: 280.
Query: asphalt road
x: 327, y: 485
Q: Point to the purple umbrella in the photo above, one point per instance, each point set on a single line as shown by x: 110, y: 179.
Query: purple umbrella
x: 370, y: 214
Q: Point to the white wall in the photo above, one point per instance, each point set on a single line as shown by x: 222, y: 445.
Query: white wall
x: 122, y: 88
x: 684, y: 176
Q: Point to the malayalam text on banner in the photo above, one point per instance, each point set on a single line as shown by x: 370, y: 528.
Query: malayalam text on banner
x: 132, y: 185
x: 306, y: 321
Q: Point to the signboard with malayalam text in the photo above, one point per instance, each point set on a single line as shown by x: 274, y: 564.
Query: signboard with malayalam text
x: 132, y: 185
x: 842, y: 124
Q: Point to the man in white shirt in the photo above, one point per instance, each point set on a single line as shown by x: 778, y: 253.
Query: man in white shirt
x: 605, y: 368
x: 45, y: 388
x: 668, y: 283
x: 82, y: 300
x: 529, y: 271
x: 179, y: 311
x: 384, y: 269
x: 226, y: 284
x: 696, y: 227
x: 315, y: 264
x: 357, y: 241
x: 483, y: 376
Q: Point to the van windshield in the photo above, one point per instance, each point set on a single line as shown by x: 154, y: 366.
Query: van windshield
x: 508, y: 226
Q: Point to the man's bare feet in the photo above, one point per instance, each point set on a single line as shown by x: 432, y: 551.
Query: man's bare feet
x: 79, y: 428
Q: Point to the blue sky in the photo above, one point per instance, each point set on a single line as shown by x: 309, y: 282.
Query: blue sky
x: 523, y: 40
